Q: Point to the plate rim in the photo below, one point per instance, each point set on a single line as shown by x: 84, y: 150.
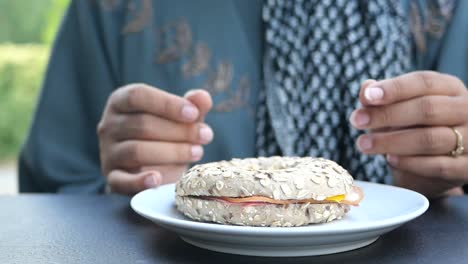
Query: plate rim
x: 192, y: 225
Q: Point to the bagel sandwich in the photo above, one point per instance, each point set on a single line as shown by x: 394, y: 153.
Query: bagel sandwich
x: 273, y: 191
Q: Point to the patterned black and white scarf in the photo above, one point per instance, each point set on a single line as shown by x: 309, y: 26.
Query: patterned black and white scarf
x: 318, y: 53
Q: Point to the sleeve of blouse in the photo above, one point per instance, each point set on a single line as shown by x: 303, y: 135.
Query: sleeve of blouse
x: 61, y: 152
x: 453, y: 53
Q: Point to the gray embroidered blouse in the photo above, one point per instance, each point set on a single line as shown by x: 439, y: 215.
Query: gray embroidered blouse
x: 176, y: 46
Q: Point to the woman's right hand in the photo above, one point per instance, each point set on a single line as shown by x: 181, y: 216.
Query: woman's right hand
x: 148, y: 137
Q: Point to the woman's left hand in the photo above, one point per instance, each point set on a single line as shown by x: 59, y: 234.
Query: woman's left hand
x: 411, y: 119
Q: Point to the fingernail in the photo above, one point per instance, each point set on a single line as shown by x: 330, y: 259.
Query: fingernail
x: 393, y: 160
x: 374, y: 93
x: 364, y: 143
x: 205, y: 134
x: 189, y: 112
x: 359, y: 118
x: 152, y: 180
x: 367, y: 82
x: 197, y: 152
x: 189, y: 93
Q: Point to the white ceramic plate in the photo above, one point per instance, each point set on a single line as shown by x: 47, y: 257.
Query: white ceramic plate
x: 383, y: 209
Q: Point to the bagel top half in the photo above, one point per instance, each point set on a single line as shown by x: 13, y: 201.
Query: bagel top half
x: 274, y: 180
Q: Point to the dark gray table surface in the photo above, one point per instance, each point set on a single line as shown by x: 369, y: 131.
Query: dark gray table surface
x: 104, y: 229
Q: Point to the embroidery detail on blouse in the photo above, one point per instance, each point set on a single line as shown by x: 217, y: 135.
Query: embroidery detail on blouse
x: 417, y: 28
x: 430, y: 21
x: 446, y: 8
x: 199, y: 62
x: 173, y: 42
x: 438, y: 18
x: 141, y: 17
x: 237, y: 99
x: 220, y: 80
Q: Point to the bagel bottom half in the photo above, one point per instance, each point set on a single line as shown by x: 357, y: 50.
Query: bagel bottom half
x: 264, y: 214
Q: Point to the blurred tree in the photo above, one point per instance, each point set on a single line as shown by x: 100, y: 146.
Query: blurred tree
x: 22, y: 21
x: 21, y: 74
x: 54, y: 19
x: 26, y: 21
x: 22, y: 65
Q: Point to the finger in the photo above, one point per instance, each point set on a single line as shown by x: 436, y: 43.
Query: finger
x: 409, y: 86
x: 430, y: 187
x: 202, y: 99
x: 141, y: 98
x: 367, y: 82
x: 456, y: 191
x: 134, y: 154
x: 127, y: 183
x: 170, y: 173
x: 415, y: 141
x: 426, y: 110
x: 150, y: 127
x: 454, y: 170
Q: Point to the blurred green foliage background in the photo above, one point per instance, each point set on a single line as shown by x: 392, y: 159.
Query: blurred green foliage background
x: 27, y: 30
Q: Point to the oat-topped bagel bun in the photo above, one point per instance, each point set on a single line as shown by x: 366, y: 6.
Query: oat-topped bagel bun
x: 275, y: 191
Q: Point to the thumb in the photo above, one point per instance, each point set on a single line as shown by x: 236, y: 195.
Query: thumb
x: 127, y: 183
x: 169, y: 173
x: 202, y: 99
